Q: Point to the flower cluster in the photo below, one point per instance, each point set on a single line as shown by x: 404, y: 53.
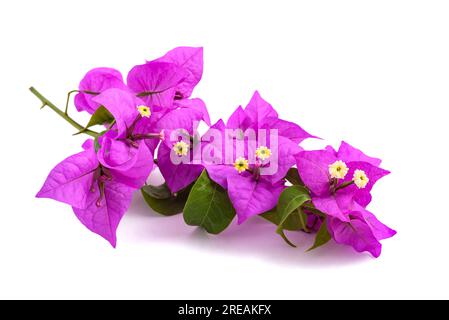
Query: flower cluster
x: 251, y: 165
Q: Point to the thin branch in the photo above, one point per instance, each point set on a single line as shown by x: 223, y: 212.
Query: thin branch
x: 62, y: 114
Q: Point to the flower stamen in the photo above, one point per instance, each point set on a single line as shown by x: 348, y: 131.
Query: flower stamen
x: 181, y: 148
x: 338, y: 170
x: 360, y: 179
x: 263, y: 153
x: 241, y: 164
x: 144, y: 111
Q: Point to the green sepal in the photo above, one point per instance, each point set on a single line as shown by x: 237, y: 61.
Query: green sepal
x: 100, y: 116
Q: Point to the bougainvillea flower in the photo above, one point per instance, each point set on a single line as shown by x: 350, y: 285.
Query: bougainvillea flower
x: 176, y: 154
x: 164, y: 87
x: 123, y: 149
x: 331, y: 193
x: 250, y: 190
x: 164, y: 83
x: 363, y: 231
x: 98, y: 200
x: 95, y: 82
x: 340, y: 183
x: 99, y: 181
x: 155, y: 83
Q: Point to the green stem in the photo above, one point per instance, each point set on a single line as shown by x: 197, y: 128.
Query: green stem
x: 61, y: 113
x: 344, y: 185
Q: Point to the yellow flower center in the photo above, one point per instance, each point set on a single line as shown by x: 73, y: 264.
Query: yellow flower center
x: 338, y: 170
x: 181, y: 148
x: 241, y: 164
x: 360, y: 179
x: 263, y: 153
x: 144, y: 111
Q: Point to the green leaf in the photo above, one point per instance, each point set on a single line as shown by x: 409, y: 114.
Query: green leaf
x: 293, y: 222
x: 282, y: 234
x: 322, y: 237
x: 100, y: 116
x: 158, y: 192
x: 291, y: 199
x: 272, y: 216
x: 208, y: 206
x: 293, y: 177
x: 289, y: 206
x: 161, y: 200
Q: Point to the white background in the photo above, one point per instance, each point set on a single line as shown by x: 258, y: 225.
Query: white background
x: 374, y: 73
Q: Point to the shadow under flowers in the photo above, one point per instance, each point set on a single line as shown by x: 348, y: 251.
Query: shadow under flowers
x: 254, y: 238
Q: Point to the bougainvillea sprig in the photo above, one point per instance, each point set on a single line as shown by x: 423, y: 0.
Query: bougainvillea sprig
x: 252, y: 165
